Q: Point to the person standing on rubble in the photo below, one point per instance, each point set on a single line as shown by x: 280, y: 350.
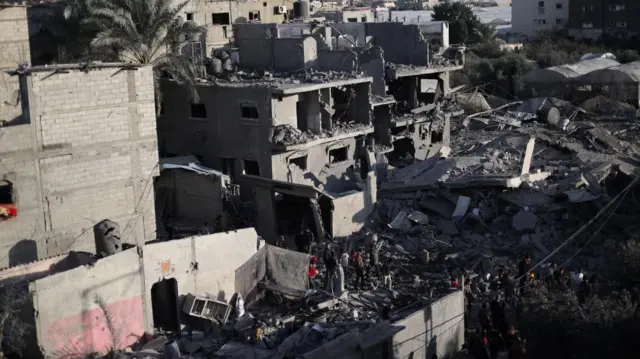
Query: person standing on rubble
x: 523, y: 271
x: 344, y: 259
x: 359, y: 266
x: 331, y: 263
x: 313, y: 271
x: 374, y: 260
x: 485, y: 320
x: 386, y: 274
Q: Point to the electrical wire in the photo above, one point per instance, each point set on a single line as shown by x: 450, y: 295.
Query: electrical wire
x: 142, y: 195
x: 583, y: 228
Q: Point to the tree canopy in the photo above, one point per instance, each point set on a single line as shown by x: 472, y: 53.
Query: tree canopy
x: 463, y: 23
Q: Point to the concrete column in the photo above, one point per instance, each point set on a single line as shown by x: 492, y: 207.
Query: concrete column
x: 327, y: 110
x: 314, y: 120
x: 414, y: 85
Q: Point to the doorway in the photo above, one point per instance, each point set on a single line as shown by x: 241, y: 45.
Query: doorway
x: 164, y: 304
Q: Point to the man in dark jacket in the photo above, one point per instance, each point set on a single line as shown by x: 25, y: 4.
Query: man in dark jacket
x: 331, y: 263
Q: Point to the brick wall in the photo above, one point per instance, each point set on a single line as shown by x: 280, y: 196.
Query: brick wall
x: 89, y: 152
x: 14, y: 49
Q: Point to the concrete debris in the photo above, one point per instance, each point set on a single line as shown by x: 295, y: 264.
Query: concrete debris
x: 287, y: 135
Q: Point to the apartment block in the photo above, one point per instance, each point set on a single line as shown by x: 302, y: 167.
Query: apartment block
x: 529, y: 17
x: 591, y: 19
x: 219, y: 16
x: 84, y: 149
x: 308, y: 114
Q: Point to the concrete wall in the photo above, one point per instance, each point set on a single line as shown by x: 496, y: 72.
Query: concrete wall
x: 14, y: 50
x: 437, y: 328
x: 201, y: 265
x: 79, y: 326
x: 197, y: 198
x: 412, y: 50
x: 350, y: 213
x: 223, y: 133
x: 87, y: 152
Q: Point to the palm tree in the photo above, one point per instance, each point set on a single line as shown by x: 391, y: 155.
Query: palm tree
x: 486, y: 33
x: 146, y: 32
x: 64, y: 36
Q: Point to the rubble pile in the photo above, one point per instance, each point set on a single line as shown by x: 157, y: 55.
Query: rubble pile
x: 264, y: 78
x: 287, y: 135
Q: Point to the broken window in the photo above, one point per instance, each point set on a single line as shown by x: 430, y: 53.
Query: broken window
x: 363, y: 19
x: 300, y: 162
x: 220, y: 18
x: 437, y: 136
x: 338, y: 154
x: 251, y: 168
x: 254, y: 15
x: 352, y: 19
x: 189, y: 16
x: 249, y: 112
x: 198, y: 110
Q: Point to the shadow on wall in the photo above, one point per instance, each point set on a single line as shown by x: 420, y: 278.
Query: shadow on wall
x: 25, y: 251
x: 425, y: 343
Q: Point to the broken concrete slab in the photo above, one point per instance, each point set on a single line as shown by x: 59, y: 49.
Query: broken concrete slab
x: 524, y: 221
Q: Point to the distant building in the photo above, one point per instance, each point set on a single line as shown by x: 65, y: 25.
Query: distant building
x: 591, y: 19
x: 529, y: 17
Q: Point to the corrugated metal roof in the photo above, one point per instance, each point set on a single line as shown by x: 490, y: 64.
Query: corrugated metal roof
x: 632, y: 69
x: 583, y: 67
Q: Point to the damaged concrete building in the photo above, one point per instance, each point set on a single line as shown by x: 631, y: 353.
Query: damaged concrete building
x: 229, y: 282
x: 83, y: 148
x: 303, y: 119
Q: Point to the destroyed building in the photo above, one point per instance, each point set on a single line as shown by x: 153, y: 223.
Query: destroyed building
x: 83, y: 148
x: 303, y: 116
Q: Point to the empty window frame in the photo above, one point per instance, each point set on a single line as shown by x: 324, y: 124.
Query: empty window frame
x: 558, y: 6
x: 198, y: 110
x: 6, y: 192
x: 540, y: 3
x: 189, y: 16
x: 617, y: 7
x: 352, y: 19
x: 363, y: 19
x: 559, y: 21
x: 220, y: 18
x: 251, y: 168
x: 254, y: 15
x: 300, y: 161
x: 587, y: 8
x: 339, y: 154
x: 249, y: 112
x: 542, y: 22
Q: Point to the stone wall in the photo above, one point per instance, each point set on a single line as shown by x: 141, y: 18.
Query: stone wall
x: 86, y: 151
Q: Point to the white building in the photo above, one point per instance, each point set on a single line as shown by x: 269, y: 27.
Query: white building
x: 528, y: 17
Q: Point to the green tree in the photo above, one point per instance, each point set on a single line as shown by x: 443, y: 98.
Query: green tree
x: 147, y: 32
x: 486, y: 33
x: 462, y: 21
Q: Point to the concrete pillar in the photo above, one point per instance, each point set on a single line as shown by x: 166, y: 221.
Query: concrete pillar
x: 327, y: 110
x: 314, y: 120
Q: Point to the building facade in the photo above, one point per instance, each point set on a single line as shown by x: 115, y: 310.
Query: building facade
x: 529, y: 17
x: 84, y: 149
x: 593, y: 18
x: 305, y: 136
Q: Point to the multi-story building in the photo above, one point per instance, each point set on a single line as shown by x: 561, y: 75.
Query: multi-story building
x: 529, y: 17
x: 83, y: 149
x: 309, y: 113
x: 218, y: 16
x: 594, y: 18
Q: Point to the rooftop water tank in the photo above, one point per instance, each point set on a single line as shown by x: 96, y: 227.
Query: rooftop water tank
x: 301, y: 9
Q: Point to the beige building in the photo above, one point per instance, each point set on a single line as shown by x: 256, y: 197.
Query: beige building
x: 219, y: 16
